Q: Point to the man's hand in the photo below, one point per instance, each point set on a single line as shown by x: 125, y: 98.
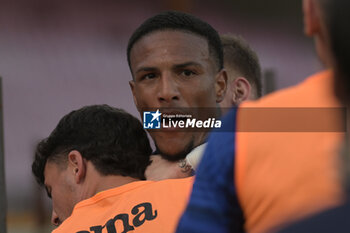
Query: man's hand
x: 161, y: 169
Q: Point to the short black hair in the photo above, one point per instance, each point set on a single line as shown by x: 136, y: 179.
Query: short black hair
x: 242, y: 59
x: 174, y: 20
x: 112, y: 139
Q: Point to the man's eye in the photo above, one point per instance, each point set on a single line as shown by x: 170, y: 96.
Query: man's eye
x: 149, y: 76
x: 187, y: 73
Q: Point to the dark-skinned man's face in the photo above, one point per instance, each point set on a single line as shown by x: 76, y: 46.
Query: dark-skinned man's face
x: 174, y: 70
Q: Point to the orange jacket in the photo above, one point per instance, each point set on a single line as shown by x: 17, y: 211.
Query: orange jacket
x: 281, y: 175
x: 142, y: 206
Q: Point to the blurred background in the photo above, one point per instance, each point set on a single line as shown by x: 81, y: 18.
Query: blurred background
x: 59, y: 55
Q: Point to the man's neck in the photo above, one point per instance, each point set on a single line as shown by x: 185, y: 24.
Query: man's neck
x: 112, y: 181
x: 95, y: 182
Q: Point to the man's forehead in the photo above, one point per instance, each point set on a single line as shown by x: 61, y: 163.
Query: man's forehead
x: 170, y: 44
x: 171, y: 39
x: 166, y: 33
x: 49, y: 170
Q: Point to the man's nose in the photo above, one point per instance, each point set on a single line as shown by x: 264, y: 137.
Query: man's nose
x: 168, y: 89
x: 54, y: 219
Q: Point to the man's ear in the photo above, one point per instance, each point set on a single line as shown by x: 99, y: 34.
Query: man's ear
x: 77, y: 164
x: 220, y: 85
x: 312, y: 22
x: 242, y: 90
x: 132, y: 87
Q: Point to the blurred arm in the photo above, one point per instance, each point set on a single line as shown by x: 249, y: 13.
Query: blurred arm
x: 213, y: 205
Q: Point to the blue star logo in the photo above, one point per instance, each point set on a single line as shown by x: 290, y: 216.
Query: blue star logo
x: 151, y: 120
